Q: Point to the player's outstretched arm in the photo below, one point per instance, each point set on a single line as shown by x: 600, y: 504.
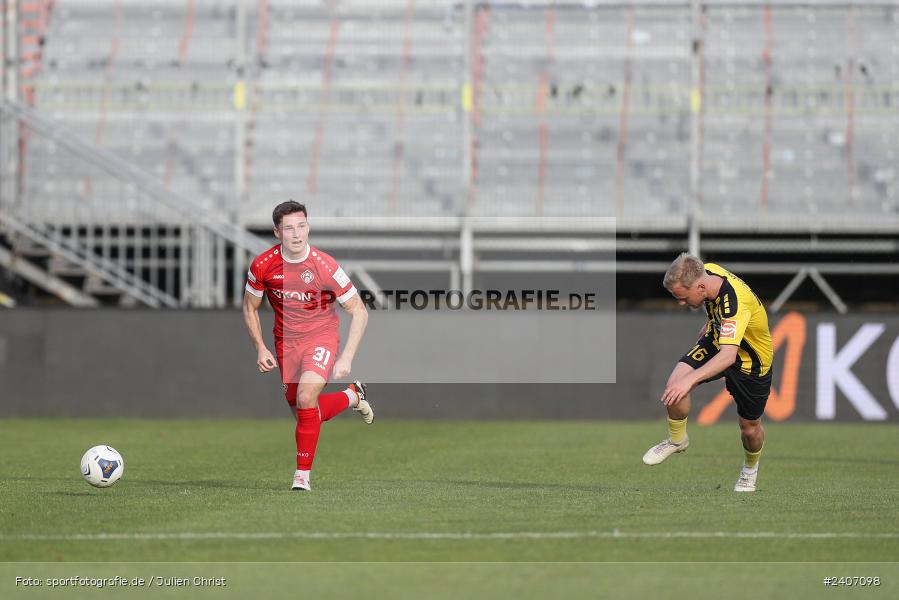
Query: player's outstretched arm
x: 678, y: 389
x: 264, y: 359
x: 359, y: 314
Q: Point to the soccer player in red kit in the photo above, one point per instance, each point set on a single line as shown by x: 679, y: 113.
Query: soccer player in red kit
x: 303, y: 284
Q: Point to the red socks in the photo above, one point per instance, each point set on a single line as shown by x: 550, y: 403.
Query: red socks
x: 309, y: 425
x: 309, y: 422
x: 332, y: 405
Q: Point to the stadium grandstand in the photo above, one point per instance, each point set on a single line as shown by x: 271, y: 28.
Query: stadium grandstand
x: 495, y: 191
x: 144, y: 143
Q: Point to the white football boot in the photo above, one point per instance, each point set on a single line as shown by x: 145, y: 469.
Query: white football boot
x: 363, y: 408
x: 663, y: 450
x: 301, y: 481
x: 746, y: 482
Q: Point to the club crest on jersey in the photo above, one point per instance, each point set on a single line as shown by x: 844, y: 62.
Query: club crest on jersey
x: 728, y: 329
x: 307, y: 276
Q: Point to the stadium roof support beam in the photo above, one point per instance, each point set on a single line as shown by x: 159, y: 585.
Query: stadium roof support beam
x: 788, y: 290
x: 368, y: 281
x: 819, y: 280
x: 828, y: 291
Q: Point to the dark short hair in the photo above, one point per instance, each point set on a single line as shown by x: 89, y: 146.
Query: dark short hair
x: 287, y: 208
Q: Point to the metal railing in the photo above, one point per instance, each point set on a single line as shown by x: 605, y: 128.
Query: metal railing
x: 678, y: 116
x: 204, y: 233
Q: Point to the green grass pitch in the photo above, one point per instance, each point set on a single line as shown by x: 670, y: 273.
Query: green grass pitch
x: 217, y: 490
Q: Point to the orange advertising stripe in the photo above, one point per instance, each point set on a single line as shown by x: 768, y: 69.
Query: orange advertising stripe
x: 781, y: 404
x: 792, y: 330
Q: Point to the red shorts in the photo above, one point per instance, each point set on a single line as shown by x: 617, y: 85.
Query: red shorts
x: 306, y: 354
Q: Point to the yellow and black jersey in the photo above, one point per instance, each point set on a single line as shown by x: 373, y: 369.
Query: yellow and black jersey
x: 737, y: 317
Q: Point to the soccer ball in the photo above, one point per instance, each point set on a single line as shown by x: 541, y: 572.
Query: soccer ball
x: 102, y: 466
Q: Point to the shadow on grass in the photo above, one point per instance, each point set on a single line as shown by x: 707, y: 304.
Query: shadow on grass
x: 837, y: 460
x: 208, y: 483
x: 145, y: 483
x: 505, y: 485
x: 205, y: 483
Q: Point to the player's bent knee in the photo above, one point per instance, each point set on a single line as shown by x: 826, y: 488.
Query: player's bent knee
x: 307, y: 400
x: 750, y: 428
x: 681, y: 410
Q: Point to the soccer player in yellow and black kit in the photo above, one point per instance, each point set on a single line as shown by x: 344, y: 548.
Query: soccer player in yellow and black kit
x: 736, y: 345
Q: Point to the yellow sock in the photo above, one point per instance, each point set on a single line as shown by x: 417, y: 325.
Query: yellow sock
x: 677, y: 430
x: 752, y: 458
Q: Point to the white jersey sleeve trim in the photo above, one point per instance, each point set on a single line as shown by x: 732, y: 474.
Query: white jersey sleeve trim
x: 343, y: 298
x: 341, y: 278
x: 251, y: 277
x: 254, y: 291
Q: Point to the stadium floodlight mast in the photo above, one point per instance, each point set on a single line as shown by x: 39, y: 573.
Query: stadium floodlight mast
x: 466, y: 235
x: 696, y: 110
x: 9, y: 80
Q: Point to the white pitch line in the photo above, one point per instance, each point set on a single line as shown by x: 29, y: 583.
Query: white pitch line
x: 423, y: 535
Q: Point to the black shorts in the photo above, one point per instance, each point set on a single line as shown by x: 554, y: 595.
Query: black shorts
x: 750, y: 392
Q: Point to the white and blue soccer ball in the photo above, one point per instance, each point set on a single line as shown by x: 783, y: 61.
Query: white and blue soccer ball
x: 102, y: 466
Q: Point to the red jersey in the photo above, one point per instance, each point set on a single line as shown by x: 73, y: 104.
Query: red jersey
x: 302, y: 292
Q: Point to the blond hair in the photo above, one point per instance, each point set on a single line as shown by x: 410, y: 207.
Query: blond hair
x: 685, y: 270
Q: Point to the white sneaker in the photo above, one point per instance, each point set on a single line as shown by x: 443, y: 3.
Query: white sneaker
x: 300, y: 482
x: 663, y: 450
x: 746, y: 482
x: 363, y: 408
